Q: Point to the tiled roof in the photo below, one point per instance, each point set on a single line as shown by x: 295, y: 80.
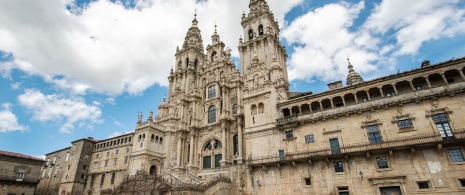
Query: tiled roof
x: 19, y: 155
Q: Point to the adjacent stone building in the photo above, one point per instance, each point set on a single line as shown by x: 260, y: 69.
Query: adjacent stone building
x: 19, y: 173
x: 223, y: 130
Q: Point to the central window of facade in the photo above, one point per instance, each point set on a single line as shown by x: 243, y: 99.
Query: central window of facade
x: 374, y: 135
x: 212, y: 154
x: 442, y: 123
x: 212, y: 91
x: 212, y: 114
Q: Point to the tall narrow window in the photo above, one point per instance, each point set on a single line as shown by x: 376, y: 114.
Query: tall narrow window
x: 102, y: 179
x: 236, y: 144
x: 373, y: 134
x: 334, y: 144
x: 212, y: 91
x: 234, y: 109
x: 92, y: 178
x: 112, y: 181
x: 250, y: 34
x: 212, y: 114
x: 260, y: 30
x: 20, y: 175
x: 442, y: 123
x: 67, y: 156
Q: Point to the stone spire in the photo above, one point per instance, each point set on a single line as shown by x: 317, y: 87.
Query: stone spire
x: 193, y: 37
x: 353, y: 77
x: 215, y: 37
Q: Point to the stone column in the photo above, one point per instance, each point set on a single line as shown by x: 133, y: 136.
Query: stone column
x: 411, y: 85
x: 356, y: 99
x: 461, y: 74
x: 444, y: 79
x: 321, y: 106
x: 191, y: 149
x: 427, y: 82
x: 178, y: 152
x: 239, y: 138
x: 368, y: 95
x: 395, y: 89
x: 381, y: 91
x: 343, y: 101
x: 223, y: 144
x: 332, y: 103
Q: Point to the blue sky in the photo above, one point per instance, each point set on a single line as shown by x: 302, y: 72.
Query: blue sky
x: 75, y: 69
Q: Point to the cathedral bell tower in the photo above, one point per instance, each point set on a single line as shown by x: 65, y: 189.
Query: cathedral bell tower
x: 263, y: 66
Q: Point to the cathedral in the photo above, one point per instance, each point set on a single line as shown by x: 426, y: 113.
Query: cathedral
x: 221, y: 130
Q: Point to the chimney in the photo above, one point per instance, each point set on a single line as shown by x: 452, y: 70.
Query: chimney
x: 425, y: 63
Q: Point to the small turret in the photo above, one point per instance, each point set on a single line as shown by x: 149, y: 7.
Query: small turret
x: 353, y: 77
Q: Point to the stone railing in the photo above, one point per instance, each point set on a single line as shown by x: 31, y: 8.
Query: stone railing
x: 378, y: 103
x: 413, y: 140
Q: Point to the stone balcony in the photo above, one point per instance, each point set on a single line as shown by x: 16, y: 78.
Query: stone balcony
x: 385, y: 102
x: 359, y: 148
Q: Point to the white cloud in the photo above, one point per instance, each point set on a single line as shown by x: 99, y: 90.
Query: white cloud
x: 8, y: 120
x: 415, y: 22
x: 16, y: 85
x: 321, y: 52
x: 41, y: 156
x: 117, y: 133
x: 68, y: 113
x: 108, y: 48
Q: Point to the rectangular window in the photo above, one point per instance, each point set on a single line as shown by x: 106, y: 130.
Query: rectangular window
x: 382, y: 162
x: 106, y: 163
x: 373, y: 134
x: 403, y: 124
x: 83, y: 176
x: 334, y: 144
x: 281, y: 155
x: 218, y: 158
x: 338, y: 166
x: 456, y: 155
x: 114, y: 161
x: 67, y: 156
x: 116, y: 152
x: 207, y: 162
x: 127, y: 150
x: 289, y: 134
x: 308, y: 181
x: 20, y: 175
x: 309, y: 139
x: 442, y: 123
x: 126, y: 160
x: 343, y: 190
x: 112, y: 178
x: 102, y: 179
x: 212, y: 92
x: 84, y: 167
x: 423, y: 185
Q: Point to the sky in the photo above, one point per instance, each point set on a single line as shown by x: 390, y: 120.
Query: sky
x: 86, y: 68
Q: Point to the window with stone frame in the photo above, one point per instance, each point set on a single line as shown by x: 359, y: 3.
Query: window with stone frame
x: 261, y: 108
x: 102, y: 179
x: 456, y: 155
x: 374, y: 134
x: 211, y: 91
x: 307, y: 181
x: 444, y: 128
x: 234, y: 109
x: 20, y: 176
x: 344, y: 190
x: 382, y: 162
x: 289, y: 134
x: 338, y: 166
x: 403, y: 122
x: 423, y: 185
x: 212, y: 114
x: 309, y: 139
x: 253, y: 109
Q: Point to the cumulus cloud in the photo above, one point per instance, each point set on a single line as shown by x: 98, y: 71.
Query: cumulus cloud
x: 324, y: 37
x: 117, y: 133
x: 109, y: 48
x: 415, y: 22
x: 8, y: 120
x: 321, y: 52
x: 66, y: 112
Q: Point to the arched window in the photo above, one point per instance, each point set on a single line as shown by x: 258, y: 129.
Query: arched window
x: 212, y: 156
x: 261, y: 108
x: 156, y: 138
x: 253, y: 109
x: 211, y: 91
x: 260, y: 30
x: 179, y: 65
x: 218, y: 145
x: 236, y: 145
x: 195, y: 63
x: 152, y: 139
x: 161, y: 139
x: 187, y: 62
x: 250, y: 34
x: 212, y: 114
x: 153, y: 170
x: 234, y: 109
x: 213, y: 56
x: 208, y: 146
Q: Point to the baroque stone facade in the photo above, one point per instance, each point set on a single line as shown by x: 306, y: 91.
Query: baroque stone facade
x: 221, y: 130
